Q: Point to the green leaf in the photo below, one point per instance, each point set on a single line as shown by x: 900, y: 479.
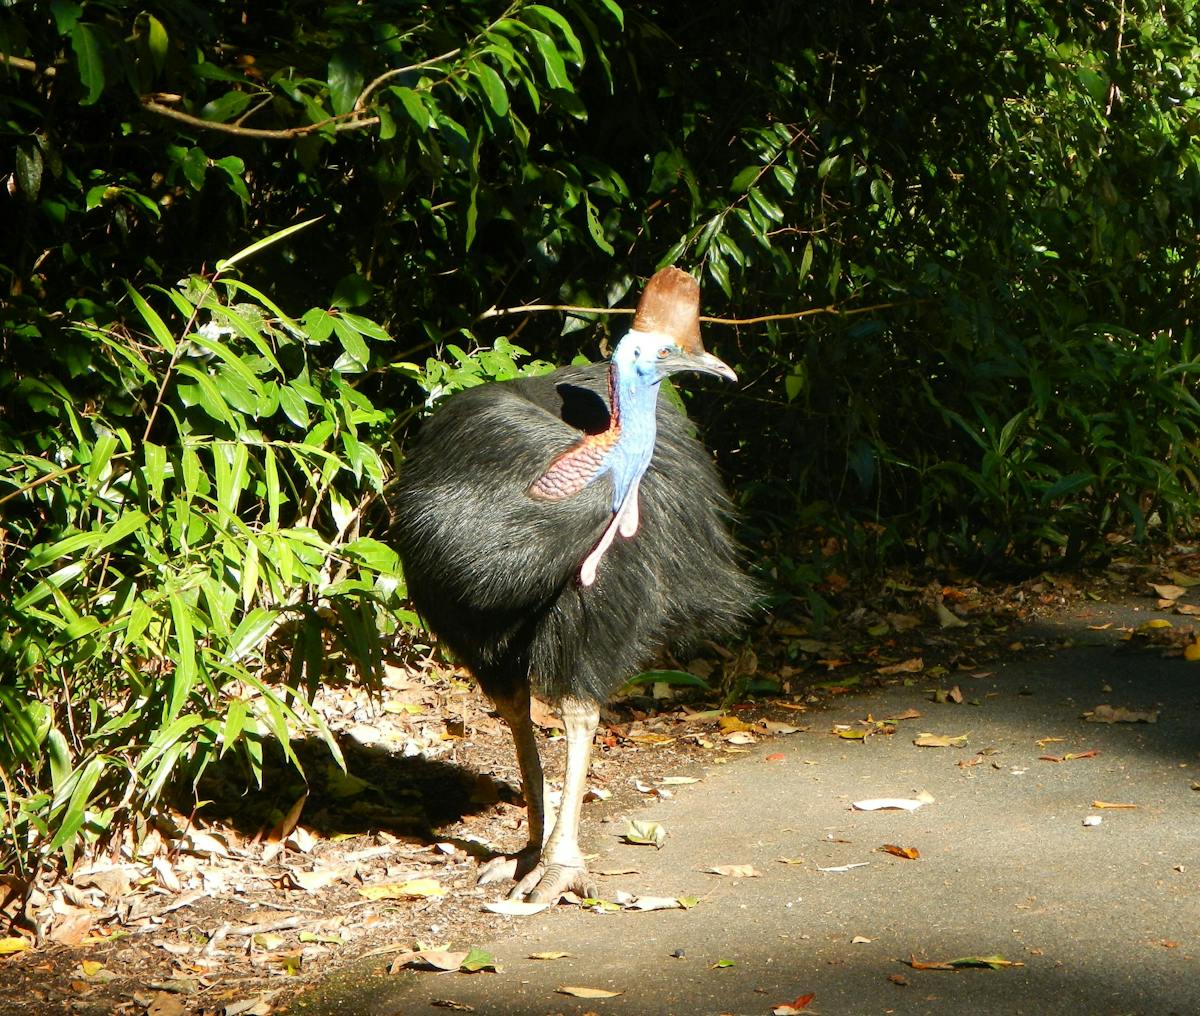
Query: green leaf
x: 226, y: 107
x: 249, y: 634
x: 224, y: 264
x: 477, y: 959
x: 596, y: 229
x: 556, y: 70
x: 561, y: 23
x: 345, y: 81
x: 493, y: 87
x: 185, y: 658
x: 675, y: 678
x: 81, y: 795
x: 414, y: 107
x: 161, y: 332
x: 29, y: 166
x: 89, y: 61
x: 157, y: 41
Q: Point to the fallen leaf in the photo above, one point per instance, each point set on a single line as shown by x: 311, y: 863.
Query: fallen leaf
x: 860, y: 940
x: 645, y: 833
x: 990, y: 962
x: 316, y: 880
x: 558, y: 955
x: 1110, y: 804
x: 449, y: 1003
x: 416, y: 888
x: 899, y: 979
x: 578, y: 992
x: 890, y: 804
x: 955, y: 695
x: 775, y: 757
x: 438, y: 959
x: 722, y: 965
x: 851, y: 733
x: 908, y: 853
x: 1191, y: 652
x: 795, y: 1007
x: 647, y: 903
x: 947, y: 618
x: 908, y: 714
x: 477, y: 960
x: 734, y: 870
x: 912, y: 666
x: 927, y: 740
x: 1168, y: 592
x: 740, y: 737
x: 165, y: 1004
x: 730, y: 724
x: 791, y: 860
x: 1119, y: 714
x: 11, y: 945
x: 1069, y: 756
x: 845, y: 867
x: 775, y: 727
x: 678, y: 781
x: 268, y: 940
x: 515, y: 908
x: 91, y: 968
x: 286, y: 824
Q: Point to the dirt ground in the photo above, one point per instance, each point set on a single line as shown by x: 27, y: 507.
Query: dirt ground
x: 242, y: 904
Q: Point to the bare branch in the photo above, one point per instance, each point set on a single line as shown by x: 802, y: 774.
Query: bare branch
x: 339, y: 123
x: 533, y: 308
x: 361, y: 102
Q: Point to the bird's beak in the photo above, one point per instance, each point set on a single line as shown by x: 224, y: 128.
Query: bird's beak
x: 702, y: 363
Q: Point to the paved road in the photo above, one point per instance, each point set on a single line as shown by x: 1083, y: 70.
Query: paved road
x: 1105, y: 919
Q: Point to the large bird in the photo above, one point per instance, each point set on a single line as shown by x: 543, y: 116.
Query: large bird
x: 556, y: 532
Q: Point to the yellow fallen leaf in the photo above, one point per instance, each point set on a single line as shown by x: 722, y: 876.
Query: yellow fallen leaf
x: 91, y: 968
x: 8, y: 946
x: 1154, y: 624
x: 412, y: 889
x: 578, y: 992
x: 549, y: 955
x: 1112, y: 804
x: 1191, y: 652
x: 926, y: 740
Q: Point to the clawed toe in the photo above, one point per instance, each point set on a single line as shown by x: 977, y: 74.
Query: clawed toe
x: 547, y: 883
x: 507, y: 867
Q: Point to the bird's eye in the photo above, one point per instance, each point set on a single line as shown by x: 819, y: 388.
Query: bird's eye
x: 664, y: 352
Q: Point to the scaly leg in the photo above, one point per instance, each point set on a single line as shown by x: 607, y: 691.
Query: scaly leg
x: 561, y: 867
x: 514, y: 710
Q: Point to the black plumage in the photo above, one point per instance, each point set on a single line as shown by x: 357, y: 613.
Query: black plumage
x: 495, y: 571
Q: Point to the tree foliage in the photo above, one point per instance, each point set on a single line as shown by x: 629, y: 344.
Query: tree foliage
x: 989, y: 213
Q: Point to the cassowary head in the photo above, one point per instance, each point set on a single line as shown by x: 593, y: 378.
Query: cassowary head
x: 665, y: 337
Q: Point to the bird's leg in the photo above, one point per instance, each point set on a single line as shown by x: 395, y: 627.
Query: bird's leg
x: 562, y: 868
x: 514, y: 710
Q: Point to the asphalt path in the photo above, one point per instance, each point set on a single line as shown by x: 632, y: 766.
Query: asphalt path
x: 1096, y: 919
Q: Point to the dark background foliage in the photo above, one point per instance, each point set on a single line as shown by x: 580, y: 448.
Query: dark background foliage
x: 990, y: 210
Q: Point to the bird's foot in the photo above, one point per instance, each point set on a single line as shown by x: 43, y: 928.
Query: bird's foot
x: 509, y: 867
x: 547, y: 882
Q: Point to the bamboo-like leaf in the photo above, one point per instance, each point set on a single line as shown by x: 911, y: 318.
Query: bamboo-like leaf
x: 226, y: 263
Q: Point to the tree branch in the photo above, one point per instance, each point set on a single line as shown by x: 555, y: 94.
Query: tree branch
x: 339, y: 122
x: 533, y: 308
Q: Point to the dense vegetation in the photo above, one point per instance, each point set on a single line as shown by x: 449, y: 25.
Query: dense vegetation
x: 990, y: 210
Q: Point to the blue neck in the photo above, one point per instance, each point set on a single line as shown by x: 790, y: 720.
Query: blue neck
x: 634, y: 411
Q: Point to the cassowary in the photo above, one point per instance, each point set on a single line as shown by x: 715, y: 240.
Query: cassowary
x: 556, y: 532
